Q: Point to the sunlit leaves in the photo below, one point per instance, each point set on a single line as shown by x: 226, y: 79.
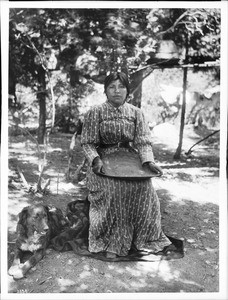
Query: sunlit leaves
x: 200, y: 26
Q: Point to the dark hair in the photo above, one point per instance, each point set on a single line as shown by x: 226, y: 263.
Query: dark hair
x: 115, y: 76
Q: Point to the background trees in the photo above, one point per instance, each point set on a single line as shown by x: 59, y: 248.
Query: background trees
x: 61, y: 54
x: 191, y: 30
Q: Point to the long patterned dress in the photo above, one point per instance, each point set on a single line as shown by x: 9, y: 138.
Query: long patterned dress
x: 123, y: 213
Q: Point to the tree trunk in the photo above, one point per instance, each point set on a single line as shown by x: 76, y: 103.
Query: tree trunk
x: 42, y: 105
x: 12, y: 84
x: 178, y: 151
x: 136, y: 81
x: 136, y: 85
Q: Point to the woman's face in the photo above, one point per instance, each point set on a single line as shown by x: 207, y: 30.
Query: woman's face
x: 116, y: 93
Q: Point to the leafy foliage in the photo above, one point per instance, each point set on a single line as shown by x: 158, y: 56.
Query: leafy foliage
x: 199, y: 27
x: 76, y: 48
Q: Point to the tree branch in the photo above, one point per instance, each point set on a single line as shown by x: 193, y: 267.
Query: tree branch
x: 27, y: 186
x: 186, y: 13
x: 174, y: 25
x: 190, y: 149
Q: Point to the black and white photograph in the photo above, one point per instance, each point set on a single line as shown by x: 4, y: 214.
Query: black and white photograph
x: 114, y: 150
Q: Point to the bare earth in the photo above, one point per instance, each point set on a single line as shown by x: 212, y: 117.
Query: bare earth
x: 189, y: 197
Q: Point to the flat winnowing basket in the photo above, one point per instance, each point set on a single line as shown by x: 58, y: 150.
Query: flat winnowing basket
x: 127, y: 165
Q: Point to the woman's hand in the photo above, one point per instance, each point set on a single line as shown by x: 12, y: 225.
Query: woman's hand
x: 97, y: 165
x: 154, y: 168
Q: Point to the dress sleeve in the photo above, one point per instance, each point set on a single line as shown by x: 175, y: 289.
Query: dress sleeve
x: 90, y: 137
x: 142, y: 139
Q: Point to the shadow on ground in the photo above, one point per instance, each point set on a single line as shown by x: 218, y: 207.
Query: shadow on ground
x: 188, y: 193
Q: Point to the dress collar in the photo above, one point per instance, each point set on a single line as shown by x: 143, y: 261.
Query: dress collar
x: 116, y: 109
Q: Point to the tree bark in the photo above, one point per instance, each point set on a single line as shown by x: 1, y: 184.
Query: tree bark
x: 42, y: 105
x: 136, y: 81
x: 178, y: 151
x: 177, y: 155
x: 12, y: 83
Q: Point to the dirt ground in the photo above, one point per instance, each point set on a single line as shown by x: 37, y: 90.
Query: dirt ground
x: 189, y: 197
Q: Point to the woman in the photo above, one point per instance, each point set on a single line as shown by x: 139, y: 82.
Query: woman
x: 124, y: 214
